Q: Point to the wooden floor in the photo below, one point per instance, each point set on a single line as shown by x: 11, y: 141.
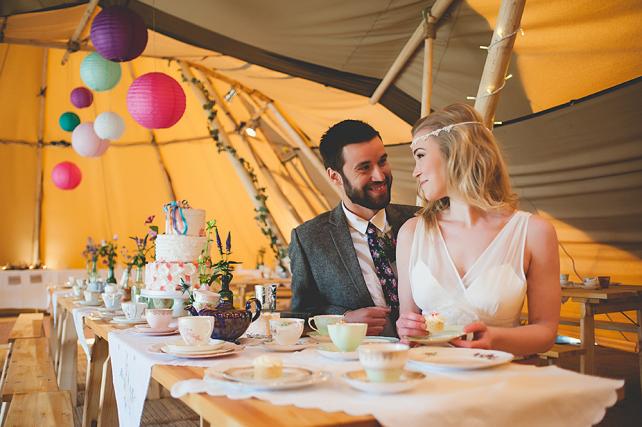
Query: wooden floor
x: 611, y: 363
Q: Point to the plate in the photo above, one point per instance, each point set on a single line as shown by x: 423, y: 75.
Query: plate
x: 148, y: 330
x: 91, y: 303
x: 359, y: 380
x: 457, y: 358
x: 448, y: 334
x: 302, y: 344
x: 125, y: 321
x: 373, y: 339
x: 243, y: 376
x: 320, y: 338
x: 331, y: 351
x: 230, y: 349
x: 179, y: 346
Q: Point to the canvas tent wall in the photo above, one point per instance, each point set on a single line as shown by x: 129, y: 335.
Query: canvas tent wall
x: 578, y: 163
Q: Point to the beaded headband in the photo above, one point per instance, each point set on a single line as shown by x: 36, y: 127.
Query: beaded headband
x: 436, y: 132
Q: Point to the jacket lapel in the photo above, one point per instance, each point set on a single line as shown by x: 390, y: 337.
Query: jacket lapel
x: 345, y: 247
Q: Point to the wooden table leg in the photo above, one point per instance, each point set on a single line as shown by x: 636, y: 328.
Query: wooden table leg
x: 68, y: 363
x: 99, y: 355
x: 639, y: 312
x: 108, y: 416
x: 58, y: 336
x: 587, y: 335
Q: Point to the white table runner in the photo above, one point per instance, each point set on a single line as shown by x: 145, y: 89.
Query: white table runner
x: 506, y: 395
x: 78, y: 314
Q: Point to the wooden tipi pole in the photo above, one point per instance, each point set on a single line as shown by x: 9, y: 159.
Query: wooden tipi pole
x: 499, y: 52
x: 37, y: 226
x: 73, y: 45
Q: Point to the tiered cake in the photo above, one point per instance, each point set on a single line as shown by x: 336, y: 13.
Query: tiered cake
x: 177, y: 250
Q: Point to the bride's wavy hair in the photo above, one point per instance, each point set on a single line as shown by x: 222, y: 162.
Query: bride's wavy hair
x: 475, y: 168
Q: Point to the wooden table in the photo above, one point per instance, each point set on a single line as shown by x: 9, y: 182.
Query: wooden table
x: 599, y: 301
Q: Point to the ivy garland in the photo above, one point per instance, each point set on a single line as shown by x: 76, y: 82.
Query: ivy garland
x: 262, y: 211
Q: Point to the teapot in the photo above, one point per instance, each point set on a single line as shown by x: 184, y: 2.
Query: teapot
x: 229, y: 323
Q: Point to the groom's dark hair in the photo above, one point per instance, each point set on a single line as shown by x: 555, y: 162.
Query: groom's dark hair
x: 338, y: 136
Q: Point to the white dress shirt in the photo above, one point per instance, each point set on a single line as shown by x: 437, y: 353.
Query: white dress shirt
x: 358, y: 227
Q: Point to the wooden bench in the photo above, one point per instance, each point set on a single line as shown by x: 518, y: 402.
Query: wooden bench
x: 45, y: 409
x: 561, y: 352
x: 30, y: 368
x: 28, y: 325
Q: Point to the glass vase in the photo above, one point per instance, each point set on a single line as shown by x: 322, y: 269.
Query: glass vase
x: 93, y: 272
x: 111, y: 278
x: 225, y: 292
x: 138, y: 284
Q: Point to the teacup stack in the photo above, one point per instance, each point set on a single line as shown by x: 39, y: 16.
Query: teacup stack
x: 159, y: 322
x: 196, y: 341
x: 320, y: 325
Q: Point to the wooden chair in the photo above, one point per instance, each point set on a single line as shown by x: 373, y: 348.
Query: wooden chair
x: 43, y: 409
x: 28, y: 325
x: 560, y: 352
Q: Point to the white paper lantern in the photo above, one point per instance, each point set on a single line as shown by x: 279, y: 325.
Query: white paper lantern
x: 109, y: 125
x: 86, y: 143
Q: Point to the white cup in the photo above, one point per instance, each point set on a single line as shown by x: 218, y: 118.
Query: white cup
x: 91, y: 297
x: 196, y: 330
x: 133, y: 310
x: 112, y: 301
x: 159, y: 318
x: 286, y: 331
x: 111, y: 289
x: 383, y: 362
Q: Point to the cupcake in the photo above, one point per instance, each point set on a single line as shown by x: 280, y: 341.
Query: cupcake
x: 434, y: 323
x: 267, y: 367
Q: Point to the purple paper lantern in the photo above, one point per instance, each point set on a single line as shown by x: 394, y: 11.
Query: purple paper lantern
x: 118, y: 34
x: 66, y: 175
x: 81, y: 97
x: 156, y: 101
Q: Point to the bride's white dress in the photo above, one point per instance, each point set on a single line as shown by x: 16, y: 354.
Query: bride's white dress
x: 492, y: 290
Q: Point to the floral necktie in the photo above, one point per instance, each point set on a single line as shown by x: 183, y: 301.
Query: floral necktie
x: 382, y: 250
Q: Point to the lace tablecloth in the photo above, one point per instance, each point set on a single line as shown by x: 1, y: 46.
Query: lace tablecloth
x: 507, y: 395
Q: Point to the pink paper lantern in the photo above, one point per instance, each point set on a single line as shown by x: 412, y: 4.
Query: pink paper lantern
x: 66, y: 175
x: 156, y: 101
x: 86, y: 143
x: 81, y: 97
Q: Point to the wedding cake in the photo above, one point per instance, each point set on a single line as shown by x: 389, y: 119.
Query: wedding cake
x: 177, y: 250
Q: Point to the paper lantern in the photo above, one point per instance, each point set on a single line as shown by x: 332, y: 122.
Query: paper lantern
x: 81, y: 97
x: 66, y: 175
x: 86, y: 143
x: 118, y: 34
x: 156, y: 101
x: 98, y: 73
x: 68, y: 121
x: 109, y: 125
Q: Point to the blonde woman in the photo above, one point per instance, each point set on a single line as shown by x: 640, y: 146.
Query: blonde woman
x: 470, y: 255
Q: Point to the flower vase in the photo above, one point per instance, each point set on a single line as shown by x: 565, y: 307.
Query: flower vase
x: 225, y: 292
x: 138, y: 284
x: 111, y: 278
x: 93, y: 273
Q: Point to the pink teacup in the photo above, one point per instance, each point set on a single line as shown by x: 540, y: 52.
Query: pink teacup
x: 159, y: 318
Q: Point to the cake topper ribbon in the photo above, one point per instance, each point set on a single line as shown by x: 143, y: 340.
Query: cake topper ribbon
x: 174, y: 213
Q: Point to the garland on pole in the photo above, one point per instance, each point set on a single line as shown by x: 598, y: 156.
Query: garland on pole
x: 262, y: 212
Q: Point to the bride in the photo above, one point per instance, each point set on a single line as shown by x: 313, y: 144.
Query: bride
x: 471, y: 255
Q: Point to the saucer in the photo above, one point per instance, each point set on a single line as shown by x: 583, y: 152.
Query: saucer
x: 302, y: 344
x: 227, y: 349
x: 331, y: 351
x: 91, y: 303
x: 448, y: 334
x: 359, y: 380
x: 320, y: 338
x: 125, y: 321
x: 457, y: 358
x: 110, y: 310
x: 179, y: 346
x: 148, y: 330
x: 243, y: 376
x: 374, y: 339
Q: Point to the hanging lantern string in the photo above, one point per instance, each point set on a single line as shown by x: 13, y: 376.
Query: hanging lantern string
x: 175, y: 215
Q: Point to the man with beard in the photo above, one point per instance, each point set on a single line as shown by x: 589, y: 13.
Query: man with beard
x: 343, y: 261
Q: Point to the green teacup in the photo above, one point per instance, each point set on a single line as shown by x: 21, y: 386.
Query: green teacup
x: 347, y: 336
x: 322, y: 321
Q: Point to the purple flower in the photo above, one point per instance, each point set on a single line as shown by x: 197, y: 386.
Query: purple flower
x: 228, y: 242
x: 149, y: 219
x: 218, y: 241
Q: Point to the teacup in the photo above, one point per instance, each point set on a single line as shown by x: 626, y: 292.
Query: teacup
x: 77, y: 291
x: 159, y: 318
x: 347, y: 336
x: 205, y: 299
x: 196, y: 330
x: 563, y: 278
x: 383, y: 362
x: 133, y: 310
x: 322, y: 321
x: 286, y: 331
x: 92, y: 297
x: 110, y: 289
x: 95, y: 286
x: 605, y: 281
x: 112, y: 301
x: 590, y: 281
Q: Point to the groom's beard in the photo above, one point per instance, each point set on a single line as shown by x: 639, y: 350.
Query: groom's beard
x: 363, y: 197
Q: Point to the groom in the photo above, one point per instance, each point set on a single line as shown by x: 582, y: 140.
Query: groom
x: 343, y: 261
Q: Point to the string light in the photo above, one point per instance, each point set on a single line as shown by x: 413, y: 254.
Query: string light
x: 250, y: 131
x: 489, y: 91
x: 502, y: 38
x: 230, y: 94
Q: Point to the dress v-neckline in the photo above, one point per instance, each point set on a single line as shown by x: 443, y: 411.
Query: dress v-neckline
x: 483, y: 253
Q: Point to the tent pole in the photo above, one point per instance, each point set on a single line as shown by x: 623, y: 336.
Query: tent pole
x: 215, y: 126
x: 436, y: 12
x: 426, y: 83
x: 169, y: 186
x: 288, y: 176
x: 322, y: 201
x: 499, y: 52
x: 37, y: 226
x: 73, y: 45
x: 303, y: 147
x: 272, y: 184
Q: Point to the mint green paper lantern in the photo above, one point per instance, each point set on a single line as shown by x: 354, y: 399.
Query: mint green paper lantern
x: 98, y: 73
x: 68, y: 121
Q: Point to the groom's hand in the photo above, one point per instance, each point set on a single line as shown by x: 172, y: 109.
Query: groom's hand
x: 375, y: 317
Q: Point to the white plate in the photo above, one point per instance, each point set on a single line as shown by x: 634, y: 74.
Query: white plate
x: 359, y: 380
x: 159, y: 349
x: 331, y: 351
x: 91, y: 303
x: 243, y: 376
x: 320, y: 338
x: 457, y: 358
x: 448, y: 334
x: 148, y: 330
x: 372, y: 339
x: 302, y: 344
x: 125, y: 321
x: 179, y: 346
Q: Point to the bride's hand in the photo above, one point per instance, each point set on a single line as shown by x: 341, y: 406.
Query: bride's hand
x: 410, y: 324
x: 482, y: 337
